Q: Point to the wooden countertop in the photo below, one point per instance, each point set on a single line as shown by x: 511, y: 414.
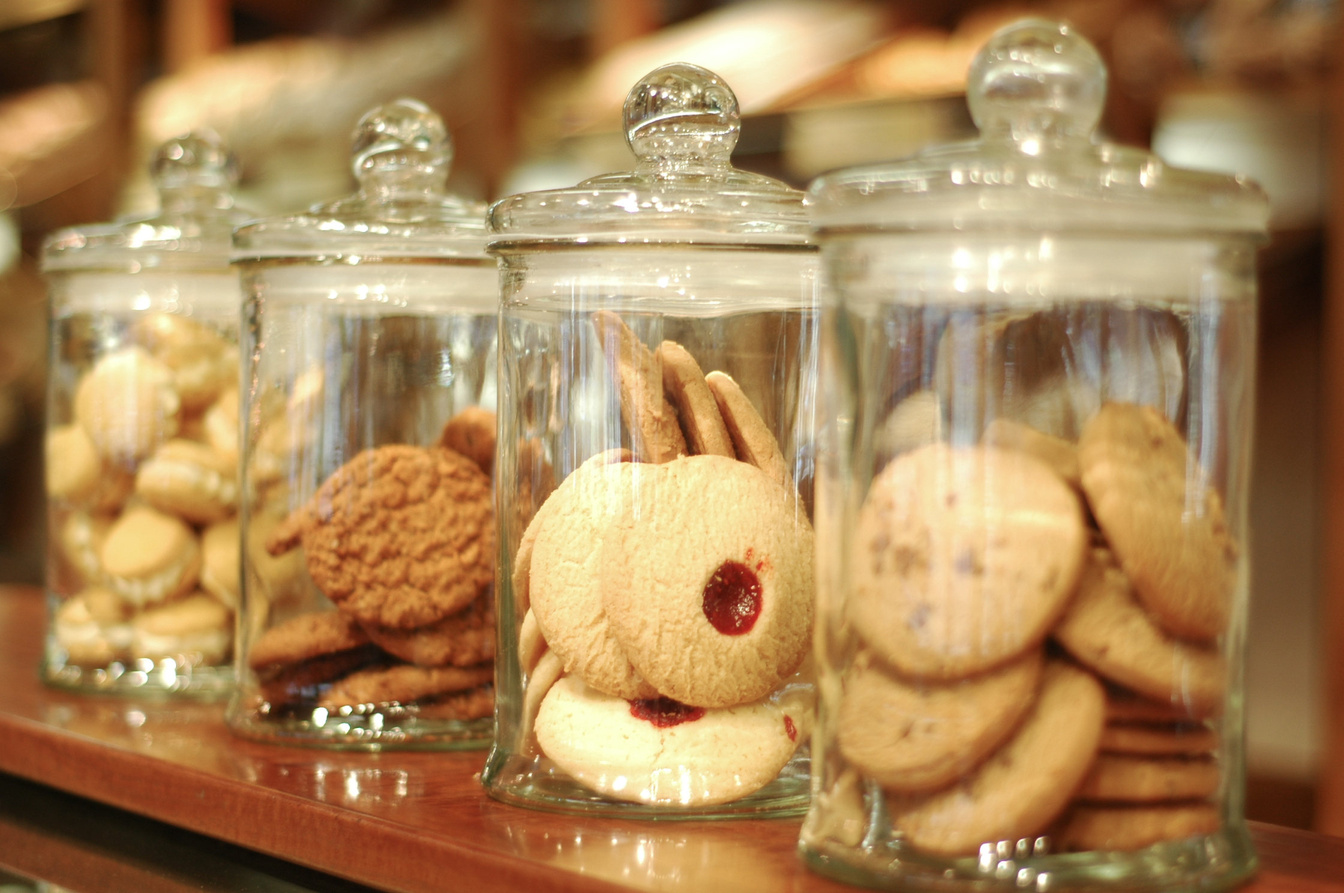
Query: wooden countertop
x: 409, y: 821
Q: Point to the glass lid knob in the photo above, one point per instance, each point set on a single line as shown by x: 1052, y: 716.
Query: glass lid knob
x: 401, y: 146
x: 1036, y: 80
x: 682, y: 117
x: 194, y: 170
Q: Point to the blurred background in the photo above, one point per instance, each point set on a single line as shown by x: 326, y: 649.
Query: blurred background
x: 531, y: 91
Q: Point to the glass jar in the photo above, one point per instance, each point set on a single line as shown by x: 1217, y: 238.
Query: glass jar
x: 657, y: 354
x: 142, y: 438
x: 1038, y: 368
x: 369, y: 331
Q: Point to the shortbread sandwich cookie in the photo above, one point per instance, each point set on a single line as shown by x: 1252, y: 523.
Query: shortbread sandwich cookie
x: 77, y: 475
x: 659, y: 752
x: 80, y: 539
x: 220, y: 548
x: 1105, y: 628
x: 203, y: 362
x: 91, y: 627
x: 400, y: 536
x: 709, y: 590
x: 698, y: 411
x: 650, y: 418
x: 912, y: 737
x: 1024, y: 785
x: 753, y: 442
x: 1162, y: 519
x: 219, y: 425
x: 963, y: 559
x: 191, y: 480
x: 472, y: 433
x: 574, y: 551
x: 195, y: 629
x: 149, y: 556
x: 127, y: 405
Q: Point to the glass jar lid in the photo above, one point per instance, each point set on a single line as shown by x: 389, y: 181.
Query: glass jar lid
x: 1036, y: 92
x: 401, y: 157
x: 195, y: 176
x: 682, y: 123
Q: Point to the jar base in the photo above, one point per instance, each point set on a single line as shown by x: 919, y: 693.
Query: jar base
x: 1219, y: 861
x: 141, y: 677
x: 372, y: 731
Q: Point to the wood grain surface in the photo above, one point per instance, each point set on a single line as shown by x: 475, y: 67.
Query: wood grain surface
x: 406, y: 821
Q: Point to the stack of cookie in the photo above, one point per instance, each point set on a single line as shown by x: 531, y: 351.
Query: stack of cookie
x: 665, y: 595
x: 143, y: 497
x: 400, y: 540
x: 1037, y: 626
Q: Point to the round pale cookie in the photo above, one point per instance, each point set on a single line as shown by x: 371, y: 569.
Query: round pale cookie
x: 648, y: 415
x: 531, y: 643
x: 219, y: 425
x: 1025, y: 784
x: 399, y: 536
x: 1136, y: 779
x: 403, y: 684
x: 203, y: 362
x: 191, y: 480
x: 458, y: 640
x: 540, y: 678
x: 963, y: 558
x: 1128, y: 828
x: 91, y: 626
x: 1159, y: 739
x: 709, y: 590
x: 659, y: 752
x: 127, y: 405
x: 195, y: 630
x: 149, y: 556
x: 80, y: 539
x: 472, y: 433
x: 913, y: 737
x: 77, y: 475
x: 914, y: 422
x: 753, y: 442
x: 1163, y: 521
x: 1106, y: 629
x: 572, y: 554
x: 1058, y: 453
x: 686, y: 389
x: 220, y: 545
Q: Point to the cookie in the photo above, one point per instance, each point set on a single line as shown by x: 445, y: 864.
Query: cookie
x: 659, y: 752
x: 698, y: 411
x: 1058, y: 453
x: 219, y: 425
x: 1025, y: 784
x: 400, y: 536
x: 195, y: 630
x: 127, y: 405
x: 191, y: 480
x: 520, y: 577
x: 531, y: 643
x: 458, y: 706
x: 91, y: 627
x: 80, y: 538
x: 1105, y: 628
x: 149, y: 556
x: 402, y: 684
x: 274, y: 581
x: 654, y: 431
x: 964, y: 557
x: 1128, y: 828
x: 753, y: 441
x: 472, y: 433
x: 1154, y: 739
x: 219, y: 562
x: 709, y: 586
x: 914, y: 422
x: 203, y: 362
x: 572, y: 553
x: 540, y: 678
x: 458, y: 640
x: 296, y: 660
x: 1123, y: 705
x: 1137, y: 779
x: 1162, y: 519
x: 912, y: 737
x: 77, y: 475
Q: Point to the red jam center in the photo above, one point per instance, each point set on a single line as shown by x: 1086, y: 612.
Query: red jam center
x: 789, y: 728
x: 664, y: 712
x: 732, y: 599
